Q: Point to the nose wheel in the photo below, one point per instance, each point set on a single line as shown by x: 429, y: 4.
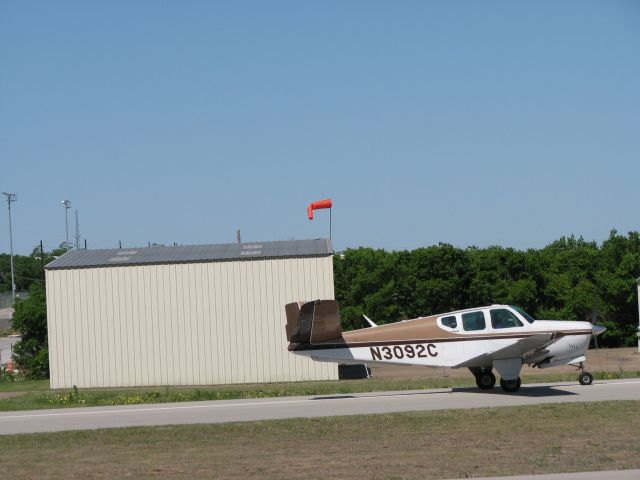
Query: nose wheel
x: 585, y: 378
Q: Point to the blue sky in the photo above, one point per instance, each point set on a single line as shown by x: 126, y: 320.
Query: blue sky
x: 472, y: 123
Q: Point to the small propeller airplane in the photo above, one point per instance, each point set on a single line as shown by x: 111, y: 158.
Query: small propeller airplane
x: 503, y: 337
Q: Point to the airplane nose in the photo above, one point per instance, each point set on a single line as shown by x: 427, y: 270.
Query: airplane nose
x: 597, y: 329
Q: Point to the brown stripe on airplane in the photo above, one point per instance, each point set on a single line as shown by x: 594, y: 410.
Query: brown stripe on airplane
x: 457, y: 338
x: 424, y: 327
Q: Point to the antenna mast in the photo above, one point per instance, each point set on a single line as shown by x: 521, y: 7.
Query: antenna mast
x: 77, y: 232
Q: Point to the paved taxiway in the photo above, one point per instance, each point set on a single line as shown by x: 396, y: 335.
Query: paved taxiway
x: 222, y: 411
x: 609, y: 475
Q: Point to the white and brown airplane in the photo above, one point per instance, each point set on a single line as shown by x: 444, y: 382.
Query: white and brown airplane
x: 480, y: 339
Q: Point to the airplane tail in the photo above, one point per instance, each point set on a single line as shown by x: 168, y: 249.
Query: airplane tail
x: 313, y: 322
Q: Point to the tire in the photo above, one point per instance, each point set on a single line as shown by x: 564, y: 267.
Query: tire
x: 510, y: 386
x: 485, y: 380
x: 585, y: 378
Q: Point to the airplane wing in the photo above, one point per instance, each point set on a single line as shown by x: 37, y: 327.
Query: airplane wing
x: 522, y: 348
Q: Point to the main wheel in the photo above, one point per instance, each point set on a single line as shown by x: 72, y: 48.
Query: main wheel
x: 585, y: 378
x: 510, y: 386
x: 485, y: 380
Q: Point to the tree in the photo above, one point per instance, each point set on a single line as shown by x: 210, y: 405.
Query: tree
x: 566, y: 280
x: 30, y: 319
x: 27, y: 268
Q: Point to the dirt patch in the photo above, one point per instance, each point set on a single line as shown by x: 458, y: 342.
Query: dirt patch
x: 4, y: 395
x: 601, y: 360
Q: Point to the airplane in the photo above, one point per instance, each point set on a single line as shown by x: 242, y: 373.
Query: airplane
x: 503, y: 337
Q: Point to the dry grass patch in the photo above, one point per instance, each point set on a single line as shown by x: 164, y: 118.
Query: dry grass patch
x: 448, y: 444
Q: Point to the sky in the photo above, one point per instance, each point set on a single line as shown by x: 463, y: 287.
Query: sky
x: 464, y: 122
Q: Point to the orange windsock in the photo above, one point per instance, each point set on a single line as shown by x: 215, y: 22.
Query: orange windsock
x: 319, y: 205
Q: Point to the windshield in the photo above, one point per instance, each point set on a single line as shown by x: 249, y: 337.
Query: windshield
x: 528, y: 317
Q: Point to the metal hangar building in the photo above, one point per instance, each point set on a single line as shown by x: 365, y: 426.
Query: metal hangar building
x: 185, y: 315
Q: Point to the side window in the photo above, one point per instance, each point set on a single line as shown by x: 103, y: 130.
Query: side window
x: 473, y: 321
x: 449, y: 321
x: 502, y: 318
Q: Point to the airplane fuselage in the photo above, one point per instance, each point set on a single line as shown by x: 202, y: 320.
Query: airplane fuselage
x: 450, y: 352
x: 480, y: 339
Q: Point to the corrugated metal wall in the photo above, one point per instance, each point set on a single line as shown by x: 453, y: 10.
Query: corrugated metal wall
x: 181, y: 324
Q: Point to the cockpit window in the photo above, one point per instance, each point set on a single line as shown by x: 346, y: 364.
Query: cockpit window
x: 503, y: 318
x: 526, y: 316
x: 473, y: 321
x: 450, y: 322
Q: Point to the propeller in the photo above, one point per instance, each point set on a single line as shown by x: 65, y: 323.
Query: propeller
x: 595, y: 328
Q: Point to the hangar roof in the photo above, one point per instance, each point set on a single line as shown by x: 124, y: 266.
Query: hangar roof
x: 192, y: 253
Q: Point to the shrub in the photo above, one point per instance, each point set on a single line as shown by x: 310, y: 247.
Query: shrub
x: 31, y: 353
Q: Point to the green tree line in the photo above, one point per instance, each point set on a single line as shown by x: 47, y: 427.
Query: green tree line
x: 570, y: 279
x: 27, y: 268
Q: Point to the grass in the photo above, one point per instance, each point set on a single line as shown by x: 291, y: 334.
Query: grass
x: 447, y: 444
x: 37, y: 395
x: 33, y: 395
x: 20, y: 385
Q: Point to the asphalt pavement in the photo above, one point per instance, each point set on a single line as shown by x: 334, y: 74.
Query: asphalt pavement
x: 223, y: 411
x: 5, y: 317
x: 608, y: 475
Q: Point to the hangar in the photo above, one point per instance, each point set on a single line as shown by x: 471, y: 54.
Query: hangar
x: 182, y: 315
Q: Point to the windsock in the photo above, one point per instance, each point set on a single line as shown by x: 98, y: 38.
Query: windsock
x: 319, y: 205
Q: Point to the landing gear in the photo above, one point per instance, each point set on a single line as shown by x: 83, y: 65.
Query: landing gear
x: 510, y: 386
x: 485, y: 380
x: 585, y: 378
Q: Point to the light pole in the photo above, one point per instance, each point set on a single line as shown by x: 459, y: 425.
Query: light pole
x: 67, y: 205
x: 11, y: 197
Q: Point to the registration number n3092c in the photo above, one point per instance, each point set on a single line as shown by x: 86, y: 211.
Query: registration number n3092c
x: 403, y: 351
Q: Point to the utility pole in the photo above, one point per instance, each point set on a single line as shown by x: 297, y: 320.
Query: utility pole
x: 11, y: 197
x: 42, y: 260
x: 77, y: 232
x: 67, y: 205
